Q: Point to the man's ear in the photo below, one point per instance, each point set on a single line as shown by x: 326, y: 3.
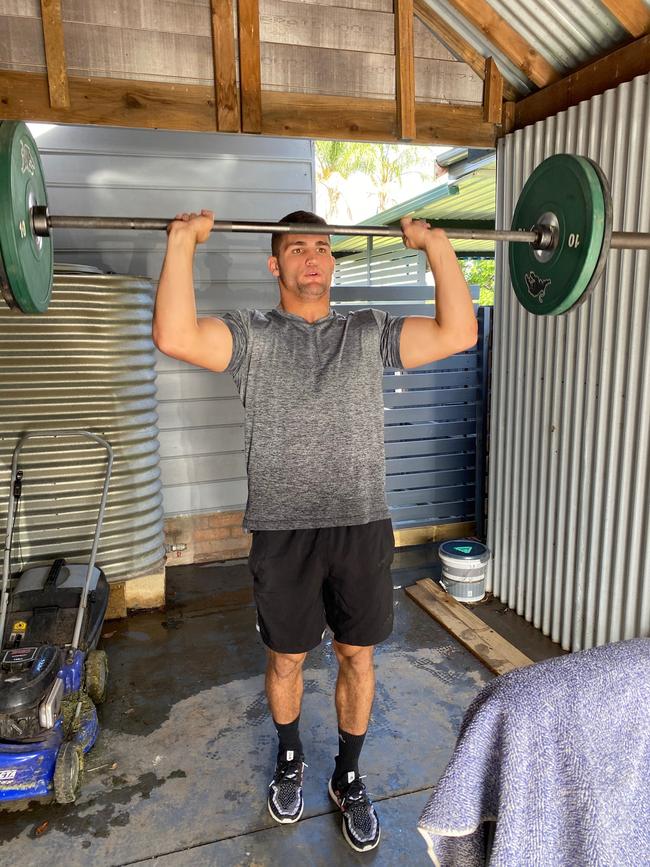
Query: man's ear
x: 273, y: 266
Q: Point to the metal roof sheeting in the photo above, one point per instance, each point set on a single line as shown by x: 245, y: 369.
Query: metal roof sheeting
x: 566, y: 33
x: 477, y: 40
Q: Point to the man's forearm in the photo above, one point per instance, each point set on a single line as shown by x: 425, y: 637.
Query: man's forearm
x: 174, y: 316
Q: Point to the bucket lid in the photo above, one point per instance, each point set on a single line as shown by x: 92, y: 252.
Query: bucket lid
x: 464, y: 549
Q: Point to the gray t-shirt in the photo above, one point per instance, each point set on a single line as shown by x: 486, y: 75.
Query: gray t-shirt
x: 314, y: 435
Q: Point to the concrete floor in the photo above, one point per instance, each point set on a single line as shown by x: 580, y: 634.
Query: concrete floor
x: 181, y: 768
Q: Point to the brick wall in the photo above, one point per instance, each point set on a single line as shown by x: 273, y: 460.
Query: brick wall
x: 213, y: 536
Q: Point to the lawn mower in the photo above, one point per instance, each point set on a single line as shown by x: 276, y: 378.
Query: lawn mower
x: 51, y: 674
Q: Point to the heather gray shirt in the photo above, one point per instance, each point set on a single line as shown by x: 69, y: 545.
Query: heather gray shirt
x: 314, y: 433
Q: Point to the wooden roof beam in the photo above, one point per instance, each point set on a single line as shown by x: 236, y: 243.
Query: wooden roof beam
x: 496, y: 29
x: 404, y: 70
x: 163, y: 105
x: 225, y: 72
x: 362, y: 119
x: 57, y: 72
x: 609, y: 71
x: 457, y: 44
x: 250, y: 75
x: 633, y: 15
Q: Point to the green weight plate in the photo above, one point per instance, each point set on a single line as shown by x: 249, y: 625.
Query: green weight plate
x: 27, y: 259
x: 571, y: 194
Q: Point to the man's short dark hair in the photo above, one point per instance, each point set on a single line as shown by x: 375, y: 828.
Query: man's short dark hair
x: 294, y: 217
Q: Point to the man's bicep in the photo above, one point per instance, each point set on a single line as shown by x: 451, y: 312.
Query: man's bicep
x: 214, y: 345
x: 421, y: 341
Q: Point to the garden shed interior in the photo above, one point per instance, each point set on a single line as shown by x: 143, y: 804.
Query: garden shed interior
x: 141, y: 109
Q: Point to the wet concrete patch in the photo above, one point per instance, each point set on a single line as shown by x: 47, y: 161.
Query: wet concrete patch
x: 187, y: 728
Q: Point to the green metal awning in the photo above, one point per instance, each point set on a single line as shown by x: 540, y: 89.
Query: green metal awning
x: 467, y: 201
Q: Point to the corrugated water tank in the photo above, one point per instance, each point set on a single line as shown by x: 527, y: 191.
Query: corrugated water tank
x: 88, y: 362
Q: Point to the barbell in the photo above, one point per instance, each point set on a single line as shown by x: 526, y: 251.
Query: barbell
x: 559, y: 240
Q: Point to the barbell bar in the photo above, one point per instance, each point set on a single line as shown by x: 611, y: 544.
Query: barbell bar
x: 540, y: 237
x: 559, y: 240
x: 42, y: 222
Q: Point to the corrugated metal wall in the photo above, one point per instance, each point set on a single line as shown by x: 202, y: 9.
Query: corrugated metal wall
x: 569, y: 466
x: 102, y: 171
x: 86, y: 363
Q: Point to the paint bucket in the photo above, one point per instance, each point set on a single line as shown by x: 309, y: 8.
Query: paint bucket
x: 464, y: 566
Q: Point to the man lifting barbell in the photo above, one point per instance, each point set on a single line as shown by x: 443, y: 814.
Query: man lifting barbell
x: 559, y: 240
x: 310, y: 380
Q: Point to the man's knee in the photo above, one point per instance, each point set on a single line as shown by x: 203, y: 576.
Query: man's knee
x: 354, y: 657
x: 284, y: 665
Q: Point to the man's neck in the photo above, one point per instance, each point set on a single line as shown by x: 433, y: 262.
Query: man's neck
x: 310, y: 312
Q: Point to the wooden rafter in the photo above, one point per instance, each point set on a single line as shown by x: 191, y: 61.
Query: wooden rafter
x: 225, y: 72
x: 148, y: 104
x: 250, y: 77
x: 342, y: 118
x: 492, y: 92
x: 621, y: 65
x: 404, y: 70
x: 456, y: 44
x: 504, y: 37
x: 57, y: 72
x: 633, y: 15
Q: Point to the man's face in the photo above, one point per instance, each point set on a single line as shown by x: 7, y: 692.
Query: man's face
x: 304, y: 265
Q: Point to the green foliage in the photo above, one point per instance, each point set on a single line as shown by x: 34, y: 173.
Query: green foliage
x: 481, y: 271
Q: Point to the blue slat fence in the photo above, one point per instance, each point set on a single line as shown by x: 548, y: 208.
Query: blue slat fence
x: 435, y: 418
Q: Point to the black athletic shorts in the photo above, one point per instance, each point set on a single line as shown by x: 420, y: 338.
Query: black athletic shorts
x: 334, y: 576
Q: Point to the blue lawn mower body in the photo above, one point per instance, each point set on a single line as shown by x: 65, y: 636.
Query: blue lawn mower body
x: 51, y: 674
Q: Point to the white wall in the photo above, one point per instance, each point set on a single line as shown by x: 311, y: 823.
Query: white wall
x: 125, y: 172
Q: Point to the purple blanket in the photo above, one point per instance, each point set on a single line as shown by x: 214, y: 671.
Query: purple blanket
x: 557, y: 755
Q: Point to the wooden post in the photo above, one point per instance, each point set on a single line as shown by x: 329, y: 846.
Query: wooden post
x: 57, y: 73
x: 404, y: 70
x: 492, y: 92
x: 509, y: 109
x: 250, y: 77
x: 225, y: 78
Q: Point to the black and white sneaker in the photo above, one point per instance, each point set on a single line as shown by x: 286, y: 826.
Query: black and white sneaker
x: 360, y: 821
x: 285, y: 789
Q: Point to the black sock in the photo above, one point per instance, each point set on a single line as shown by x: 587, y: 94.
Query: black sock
x: 348, y: 757
x: 289, y: 738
